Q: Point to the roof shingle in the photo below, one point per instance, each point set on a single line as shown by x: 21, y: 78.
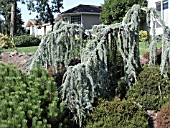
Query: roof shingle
x: 84, y: 9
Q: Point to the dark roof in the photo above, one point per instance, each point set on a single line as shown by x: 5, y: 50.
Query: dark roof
x: 84, y: 9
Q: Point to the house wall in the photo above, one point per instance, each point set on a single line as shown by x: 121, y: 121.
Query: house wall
x: 48, y: 28
x: 32, y: 30
x: 45, y: 29
x: 165, y: 14
x: 89, y: 20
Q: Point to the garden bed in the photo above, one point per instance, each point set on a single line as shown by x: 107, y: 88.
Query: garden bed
x: 17, y: 59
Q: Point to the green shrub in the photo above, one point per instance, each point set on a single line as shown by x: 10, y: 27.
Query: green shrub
x: 28, y: 100
x: 151, y: 91
x: 163, y: 116
x: 122, y: 88
x: 26, y: 40
x: 119, y: 114
x: 142, y: 36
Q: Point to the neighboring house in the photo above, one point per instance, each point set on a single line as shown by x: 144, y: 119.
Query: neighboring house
x: 37, y: 27
x: 162, y: 6
x: 86, y: 15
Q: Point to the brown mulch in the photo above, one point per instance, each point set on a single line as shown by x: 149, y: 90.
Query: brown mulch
x: 17, y: 59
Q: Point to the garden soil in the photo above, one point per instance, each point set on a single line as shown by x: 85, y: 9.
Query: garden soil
x: 17, y: 59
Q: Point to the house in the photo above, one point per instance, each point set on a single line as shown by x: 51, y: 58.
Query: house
x: 86, y: 15
x: 37, y: 27
x: 162, y: 6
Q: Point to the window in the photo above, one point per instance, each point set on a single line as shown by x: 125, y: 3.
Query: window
x: 33, y: 30
x: 158, y: 8
x: 165, y: 4
x: 165, y: 11
x: 162, y: 9
x: 76, y: 19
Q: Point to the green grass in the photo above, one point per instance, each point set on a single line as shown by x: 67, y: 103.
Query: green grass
x: 31, y: 49
x: 143, y: 47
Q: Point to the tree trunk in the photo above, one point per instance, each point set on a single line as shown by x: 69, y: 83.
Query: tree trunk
x: 0, y: 25
x: 12, y: 22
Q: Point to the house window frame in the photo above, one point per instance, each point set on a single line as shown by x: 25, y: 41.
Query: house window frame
x: 76, y: 19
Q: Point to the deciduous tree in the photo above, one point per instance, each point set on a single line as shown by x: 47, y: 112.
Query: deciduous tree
x: 113, y: 11
x: 45, y: 9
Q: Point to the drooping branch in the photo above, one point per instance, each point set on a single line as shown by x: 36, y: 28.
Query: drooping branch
x: 129, y: 43
x: 86, y: 81
x: 154, y: 18
x: 92, y: 77
x: 59, y: 47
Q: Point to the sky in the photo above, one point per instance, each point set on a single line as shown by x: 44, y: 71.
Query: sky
x: 67, y: 4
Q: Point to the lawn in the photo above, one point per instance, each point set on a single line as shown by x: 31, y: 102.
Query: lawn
x: 31, y: 49
x: 143, y: 47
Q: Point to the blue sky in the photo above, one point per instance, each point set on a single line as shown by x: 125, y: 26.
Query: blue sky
x: 67, y: 4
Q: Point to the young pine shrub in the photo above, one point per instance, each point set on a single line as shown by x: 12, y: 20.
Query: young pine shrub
x: 152, y: 90
x: 163, y: 117
x: 29, y: 100
x: 119, y: 114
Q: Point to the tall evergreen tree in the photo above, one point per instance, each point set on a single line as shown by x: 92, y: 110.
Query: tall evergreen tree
x: 18, y: 21
x: 5, y: 11
x: 13, y: 16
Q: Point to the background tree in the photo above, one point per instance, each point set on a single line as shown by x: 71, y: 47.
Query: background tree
x: 13, y: 15
x: 45, y: 9
x: 113, y: 11
x: 18, y: 20
x: 5, y: 11
x: 0, y: 24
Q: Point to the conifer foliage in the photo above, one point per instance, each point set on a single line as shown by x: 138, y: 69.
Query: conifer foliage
x: 28, y: 101
x: 59, y: 47
x: 94, y: 76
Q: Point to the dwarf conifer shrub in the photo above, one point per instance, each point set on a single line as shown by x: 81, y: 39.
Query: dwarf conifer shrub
x: 119, y: 114
x: 151, y: 91
x: 28, y: 101
x: 163, y: 117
